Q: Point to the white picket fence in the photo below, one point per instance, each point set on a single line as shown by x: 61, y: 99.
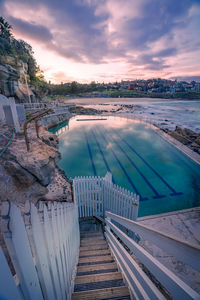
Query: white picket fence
x: 95, y: 195
x: 43, y: 245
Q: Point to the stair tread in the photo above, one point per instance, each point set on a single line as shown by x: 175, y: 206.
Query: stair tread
x: 94, y: 252
x: 101, y: 293
x: 95, y: 259
x: 94, y: 247
x: 89, y: 268
x: 98, y: 233
x: 92, y: 239
x: 99, y: 285
x: 90, y: 232
x: 98, y: 277
x: 93, y: 243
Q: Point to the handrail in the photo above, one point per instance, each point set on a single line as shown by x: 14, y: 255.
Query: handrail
x: 34, y: 117
x: 174, y: 285
x: 181, y: 249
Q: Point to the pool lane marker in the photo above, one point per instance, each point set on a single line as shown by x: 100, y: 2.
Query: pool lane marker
x: 90, y: 154
x: 174, y: 193
x: 157, y: 196
x: 124, y: 170
x: 102, y: 154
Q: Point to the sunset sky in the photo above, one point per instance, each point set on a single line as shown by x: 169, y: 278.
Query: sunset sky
x: 109, y: 40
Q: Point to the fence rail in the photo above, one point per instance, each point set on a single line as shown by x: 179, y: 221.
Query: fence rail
x: 43, y: 245
x: 95, y: 195
x: 139, y: 283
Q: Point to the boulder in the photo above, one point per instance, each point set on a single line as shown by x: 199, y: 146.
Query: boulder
x: 20, y: 174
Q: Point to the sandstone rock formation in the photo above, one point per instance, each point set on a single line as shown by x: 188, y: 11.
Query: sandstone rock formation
x: 187, y: 137
x: 13, y: 76
x: 28, y: 175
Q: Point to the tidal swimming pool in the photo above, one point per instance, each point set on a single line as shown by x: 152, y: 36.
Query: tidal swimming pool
x: 138, y: 158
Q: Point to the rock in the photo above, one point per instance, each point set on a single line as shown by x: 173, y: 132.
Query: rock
x: 179, y: 137
x: 20, y: 174
x: 18, y: 192
x: 187, y: 137
x: 12, y: 80
x: 197, y: 141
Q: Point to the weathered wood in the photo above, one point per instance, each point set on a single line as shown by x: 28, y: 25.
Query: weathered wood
x: 89, y: 268
x: 94, y: 239
x: 94, y: 247
x: 98, y: 277
x: 95, y: 259
x: 94, y: 252
x: 101, y: 293
x: 90, y: 232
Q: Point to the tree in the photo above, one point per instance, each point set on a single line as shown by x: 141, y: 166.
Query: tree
x: 74, y: 87
x: 5, y: 29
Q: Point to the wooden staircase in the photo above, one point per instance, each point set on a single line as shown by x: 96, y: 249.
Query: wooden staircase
x: 97, y: 274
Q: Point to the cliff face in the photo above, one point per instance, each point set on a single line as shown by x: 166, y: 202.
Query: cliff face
x: 33, y: 175
x: 13, y: 76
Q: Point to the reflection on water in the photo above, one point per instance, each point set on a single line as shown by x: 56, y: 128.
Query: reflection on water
x: 138, y: 158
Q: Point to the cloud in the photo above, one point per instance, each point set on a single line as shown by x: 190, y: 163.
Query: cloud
x: 144, y: 35
x: 31, y: 30
x: 187, y: 78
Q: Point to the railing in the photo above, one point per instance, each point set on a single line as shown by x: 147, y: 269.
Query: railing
x: 95, y: 195
x: 141, y: 286
x: 37, y: 105
x: 43, y: 246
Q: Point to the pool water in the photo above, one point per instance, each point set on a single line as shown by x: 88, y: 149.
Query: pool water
x: 138, y: 158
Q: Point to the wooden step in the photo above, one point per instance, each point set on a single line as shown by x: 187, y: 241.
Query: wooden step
x: 91, y: 268
x: 92, y: 240
x: 94, y: 252
x: 94, y: 247
x: 98, y: 277
x: 90, y: 232
x: 83, y: 237
x: 94, y: 259
x: 110, y: 293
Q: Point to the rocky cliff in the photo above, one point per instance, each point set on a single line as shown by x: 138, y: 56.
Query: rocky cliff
x: 13, y: 77
x: 33, y: 175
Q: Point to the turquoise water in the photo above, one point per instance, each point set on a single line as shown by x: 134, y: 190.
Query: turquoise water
x: 138, y: 158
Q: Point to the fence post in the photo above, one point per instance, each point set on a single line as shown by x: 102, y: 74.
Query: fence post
x: 2, y: 115
x: 14, y: 114
x: 136, y: 207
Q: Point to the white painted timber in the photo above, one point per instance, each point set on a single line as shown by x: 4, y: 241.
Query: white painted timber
x: 8, y: 290
x: 184, y: 251
x: 137, y: 279
x: 43, y: 266
x: 22, y: 253
x: 176, y: 287
x: 95, y: 195
x: 44, y: 252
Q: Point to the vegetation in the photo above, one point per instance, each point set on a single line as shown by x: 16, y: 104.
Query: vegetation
x: 20, y: 50
x: 75, y: 88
